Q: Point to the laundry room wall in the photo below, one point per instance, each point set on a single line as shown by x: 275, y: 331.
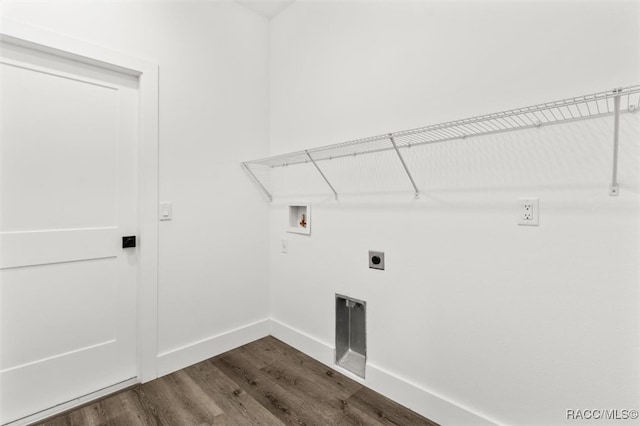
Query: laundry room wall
x: 475, y: 319
x: 213, y: 111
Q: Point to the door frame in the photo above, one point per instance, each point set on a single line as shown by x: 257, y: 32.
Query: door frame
x: 24, y: 35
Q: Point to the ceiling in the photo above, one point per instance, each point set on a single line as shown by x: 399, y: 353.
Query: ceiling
x: 266, y: 8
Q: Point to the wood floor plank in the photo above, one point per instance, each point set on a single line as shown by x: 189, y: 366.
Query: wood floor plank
x: 314, y: 376
x: 125, y: 409
x: 354, y: 416
x: 119, y: 409
x: 94, y: 414
x: 58, y: 421
x: 239, y: 407
x: 193, y: 396
x: 264, y: 383
x: 175, y: 401
x: 320, y: 383
x: 305, y: 367
x: 328, y: 403
x: 385, y: 410
x: 286, y: 404
x: 268, y: 350
x: 131, y: 402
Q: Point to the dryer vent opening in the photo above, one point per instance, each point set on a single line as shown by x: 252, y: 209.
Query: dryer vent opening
x: 351, y: 339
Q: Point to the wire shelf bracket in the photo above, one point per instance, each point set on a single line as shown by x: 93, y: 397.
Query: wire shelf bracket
x: 602, y: 104
x: 335, y: 194
x: 257, y: 181
x: 613, y: 189
x: 404, y: 165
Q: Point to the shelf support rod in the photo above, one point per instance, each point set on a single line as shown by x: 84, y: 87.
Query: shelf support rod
x: 404, y: 165
x: 613, y: 189
x: 335, y: 194
x: 255, y: 179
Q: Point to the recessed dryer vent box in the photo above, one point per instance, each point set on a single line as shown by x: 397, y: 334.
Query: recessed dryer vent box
x: 300, y: 218
x: 351, y: 337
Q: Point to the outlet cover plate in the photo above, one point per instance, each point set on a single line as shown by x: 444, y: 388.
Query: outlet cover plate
x: 528, y: 211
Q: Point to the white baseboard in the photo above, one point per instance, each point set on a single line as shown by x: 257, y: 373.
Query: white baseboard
x: 388, y: 384
x: 179, y: 358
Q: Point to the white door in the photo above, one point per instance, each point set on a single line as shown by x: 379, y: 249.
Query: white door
x: 68, y: 193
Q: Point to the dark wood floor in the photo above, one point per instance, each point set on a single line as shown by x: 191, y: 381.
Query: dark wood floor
x: 263, y: 383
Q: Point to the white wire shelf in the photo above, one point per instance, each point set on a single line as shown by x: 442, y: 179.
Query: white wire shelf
x: 608, y: 103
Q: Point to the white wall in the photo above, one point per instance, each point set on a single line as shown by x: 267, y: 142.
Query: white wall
x: 213, y: 60
x: 514, y: 324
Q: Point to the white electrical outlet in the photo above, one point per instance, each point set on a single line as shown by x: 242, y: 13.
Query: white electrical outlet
x: 284, y: 246
x: 528, y: 212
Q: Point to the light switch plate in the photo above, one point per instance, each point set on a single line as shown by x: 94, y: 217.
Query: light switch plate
x: 165, y: 211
